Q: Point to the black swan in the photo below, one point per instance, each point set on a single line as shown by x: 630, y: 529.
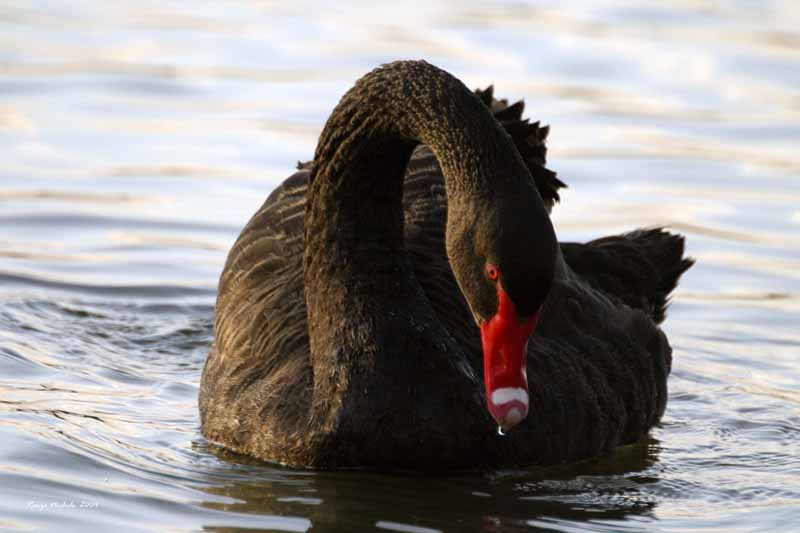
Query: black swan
x: 362, y: 303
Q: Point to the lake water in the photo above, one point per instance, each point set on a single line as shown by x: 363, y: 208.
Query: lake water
x: 137, y: 138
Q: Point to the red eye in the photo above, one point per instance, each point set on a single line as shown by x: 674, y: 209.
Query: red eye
x: 492, y: 273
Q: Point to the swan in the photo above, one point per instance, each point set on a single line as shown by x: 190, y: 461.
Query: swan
x: 402, y: 301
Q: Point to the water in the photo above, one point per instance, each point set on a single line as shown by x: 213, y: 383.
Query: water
x: 138, y: 138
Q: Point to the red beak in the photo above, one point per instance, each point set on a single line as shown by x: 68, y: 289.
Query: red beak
x: 505, y: 341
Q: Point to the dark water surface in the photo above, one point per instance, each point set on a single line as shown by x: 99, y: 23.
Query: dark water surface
x: 137, y: 138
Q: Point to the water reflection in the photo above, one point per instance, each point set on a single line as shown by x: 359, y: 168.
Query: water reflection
x: 613, y: 488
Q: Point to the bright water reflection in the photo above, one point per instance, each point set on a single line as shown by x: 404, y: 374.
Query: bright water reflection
x: 138, y: 138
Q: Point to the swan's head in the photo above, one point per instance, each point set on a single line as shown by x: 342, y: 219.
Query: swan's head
x: 504, y: 261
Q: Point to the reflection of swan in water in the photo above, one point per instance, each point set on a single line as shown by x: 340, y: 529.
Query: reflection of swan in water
x: 345, y: 337
x: 614, y: 487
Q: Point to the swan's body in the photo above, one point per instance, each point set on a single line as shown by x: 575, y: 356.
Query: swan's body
x: 341, y: 342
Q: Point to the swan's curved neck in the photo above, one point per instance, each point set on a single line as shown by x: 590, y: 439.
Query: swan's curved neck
x: 356, y: 272
x: 364, y: 148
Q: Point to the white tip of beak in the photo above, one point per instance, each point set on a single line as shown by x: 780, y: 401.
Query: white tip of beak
x: 509, y: 406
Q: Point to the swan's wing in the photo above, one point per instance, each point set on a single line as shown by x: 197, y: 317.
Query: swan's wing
x: 261, y: 336
x: 640, y: 268
x: 530, y: 140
